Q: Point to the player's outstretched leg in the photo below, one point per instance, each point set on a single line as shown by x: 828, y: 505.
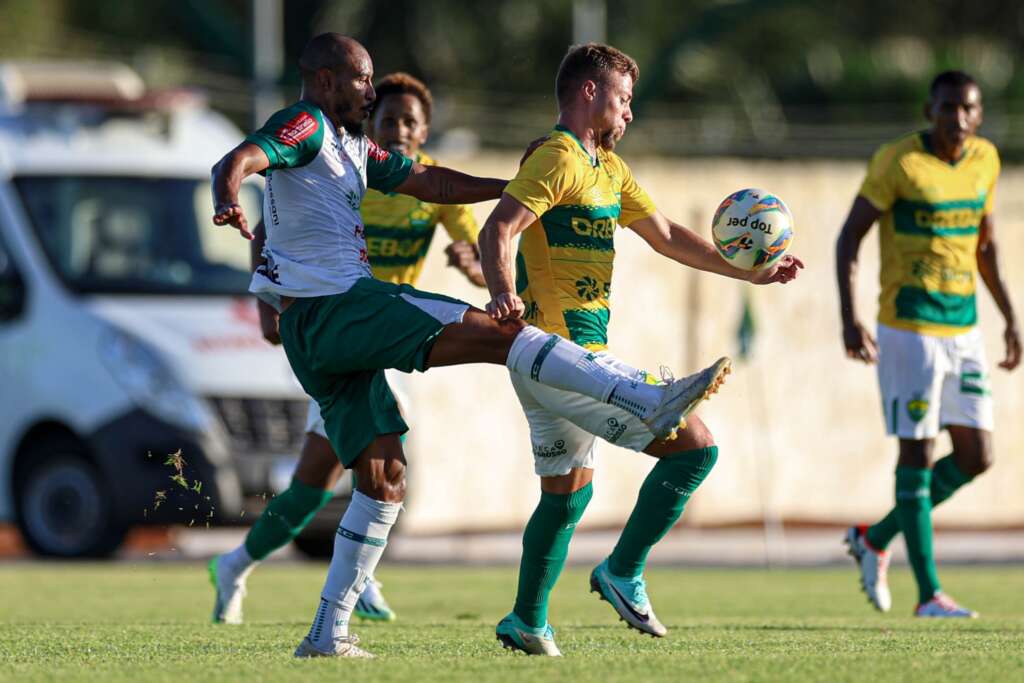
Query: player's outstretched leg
x: 681, y: 468
x: 282, y: 520
x: 358, y: 546
x: 559, y: 363
x: 545, y: 548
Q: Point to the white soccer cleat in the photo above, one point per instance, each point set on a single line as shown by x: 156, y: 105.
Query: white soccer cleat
x: 944, y: 606
x: 629, y: 598
x: 230, y: 592
x: 874, y: 567
x: 515, y: 634
x: 682, y: 396
x: 342, y: 647
x: 372, y: 605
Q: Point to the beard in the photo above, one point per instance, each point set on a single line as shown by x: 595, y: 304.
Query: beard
x: 353, y: 129
x: 608, y: 140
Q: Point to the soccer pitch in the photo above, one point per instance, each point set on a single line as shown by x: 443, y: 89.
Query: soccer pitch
x: 133, y: 622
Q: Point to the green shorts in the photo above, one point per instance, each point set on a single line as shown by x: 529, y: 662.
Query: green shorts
x: 340, y: 345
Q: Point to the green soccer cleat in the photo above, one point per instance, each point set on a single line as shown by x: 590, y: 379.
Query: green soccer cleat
x: 514, y: 634
x: 629, y: 598
x: 371, y: 604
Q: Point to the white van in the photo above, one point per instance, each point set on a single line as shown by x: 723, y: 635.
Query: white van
x: 126, y: 333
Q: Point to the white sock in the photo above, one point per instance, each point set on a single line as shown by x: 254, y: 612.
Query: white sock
x: 559, y: 363
x: 358, y: 546
x: 237, y: 564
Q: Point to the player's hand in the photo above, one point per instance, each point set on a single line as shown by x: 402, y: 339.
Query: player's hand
x: 531, y: 148
x: 505, y: 306
x: 462, y: 255
x: 786, y: 269
x: 269, y: 321
x: 1013, y: 350
x: 232, y: 214
x: 859, y: 343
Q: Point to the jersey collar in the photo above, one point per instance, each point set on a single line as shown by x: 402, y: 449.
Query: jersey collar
x: 926, y: 142
x: 595, y: 161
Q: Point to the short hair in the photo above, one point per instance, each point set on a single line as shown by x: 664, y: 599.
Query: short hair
x: 401, y: 83
x: 591, y: 61
x: 327, y: 51
x: 953, y: 79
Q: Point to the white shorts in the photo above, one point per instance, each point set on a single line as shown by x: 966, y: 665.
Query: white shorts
x: 929, y: 382
x: 563, y: 426
x: 315, y: 423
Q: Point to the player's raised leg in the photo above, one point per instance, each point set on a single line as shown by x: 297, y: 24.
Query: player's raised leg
x: 561, y: 364
x: 285, y: 516
x: 681, y: 467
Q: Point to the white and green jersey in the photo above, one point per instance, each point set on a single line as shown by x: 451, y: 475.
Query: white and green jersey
x: 316, y: 244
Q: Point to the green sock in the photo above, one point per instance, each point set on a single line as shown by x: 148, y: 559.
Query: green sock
x: 284, y: 517
x: 545, y: 547
x: 914, y: 510
x: 661, y: 501
x: 946, y: 479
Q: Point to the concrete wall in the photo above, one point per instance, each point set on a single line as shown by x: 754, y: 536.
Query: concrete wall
x: 800, y: 428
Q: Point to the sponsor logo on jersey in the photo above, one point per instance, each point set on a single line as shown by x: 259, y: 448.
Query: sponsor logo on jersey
x: 377, y: 153
x: 553, y: 451
x: 297, y: 129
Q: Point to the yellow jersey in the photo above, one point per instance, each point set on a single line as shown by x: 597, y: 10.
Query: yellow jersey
x: 564, y: 263
x: 931, y: 212
x: 400, y: 228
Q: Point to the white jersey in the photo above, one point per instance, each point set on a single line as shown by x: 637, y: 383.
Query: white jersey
x: 316, y: 244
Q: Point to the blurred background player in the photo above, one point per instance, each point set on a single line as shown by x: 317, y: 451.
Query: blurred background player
x: 399, y: 231
x: 567, y: 199
x: 932, y: 193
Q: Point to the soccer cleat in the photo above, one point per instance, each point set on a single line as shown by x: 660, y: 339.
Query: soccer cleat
x: 874, y: 567
x: 514, y: 634
x: 944, y: 606
x: 372, y: 605
x: 230, y: 591
x: 343, y: 647
x: 682, y: 396
x: 629, y: 598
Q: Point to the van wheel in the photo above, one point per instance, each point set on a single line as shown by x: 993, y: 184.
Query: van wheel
x: 64, y: 506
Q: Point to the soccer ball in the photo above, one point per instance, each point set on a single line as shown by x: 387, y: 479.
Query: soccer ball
x: 752, y: 229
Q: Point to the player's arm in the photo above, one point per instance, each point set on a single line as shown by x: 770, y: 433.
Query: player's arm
x: 463, y: 253
x: 687, y: 247
x: 269, y: 320
x: 228, y: 174
x: 508, y: 219
x: 856, y: 338
x: 465, y: 257
x: 440, y: 185
x: 988, y: 268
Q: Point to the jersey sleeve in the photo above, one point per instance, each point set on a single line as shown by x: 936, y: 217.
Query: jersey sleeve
x: 385, y: 170
x: 880, y: 184
x: 636, y: 203
x: 459, y: 222
x: 990, y: 196
x: 292, y: 137
x: 543, y: 179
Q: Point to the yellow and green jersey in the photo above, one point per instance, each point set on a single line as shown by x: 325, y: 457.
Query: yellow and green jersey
x: 564, y: 264
x: 399, y: 229
x: 931, y: 212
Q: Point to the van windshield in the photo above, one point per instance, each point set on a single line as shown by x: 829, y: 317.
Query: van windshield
x: 132, y: 235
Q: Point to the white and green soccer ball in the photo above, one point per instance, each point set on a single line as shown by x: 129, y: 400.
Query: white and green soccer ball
x: 752, y: 229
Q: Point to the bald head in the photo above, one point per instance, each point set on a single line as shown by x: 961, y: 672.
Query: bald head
x: 337, y: 76
x: 331, y: 51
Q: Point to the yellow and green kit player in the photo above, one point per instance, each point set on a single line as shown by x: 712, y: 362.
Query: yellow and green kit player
x: 399, y: 230
x: 931, y: 193
x: 567, y: 200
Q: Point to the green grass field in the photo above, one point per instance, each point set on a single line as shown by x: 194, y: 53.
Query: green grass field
x: 133, y: 622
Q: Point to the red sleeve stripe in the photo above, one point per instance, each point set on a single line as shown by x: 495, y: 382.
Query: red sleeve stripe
x: 377, y: 153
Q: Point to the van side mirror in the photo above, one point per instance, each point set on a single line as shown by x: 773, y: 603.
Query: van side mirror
x: 12, y: 290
